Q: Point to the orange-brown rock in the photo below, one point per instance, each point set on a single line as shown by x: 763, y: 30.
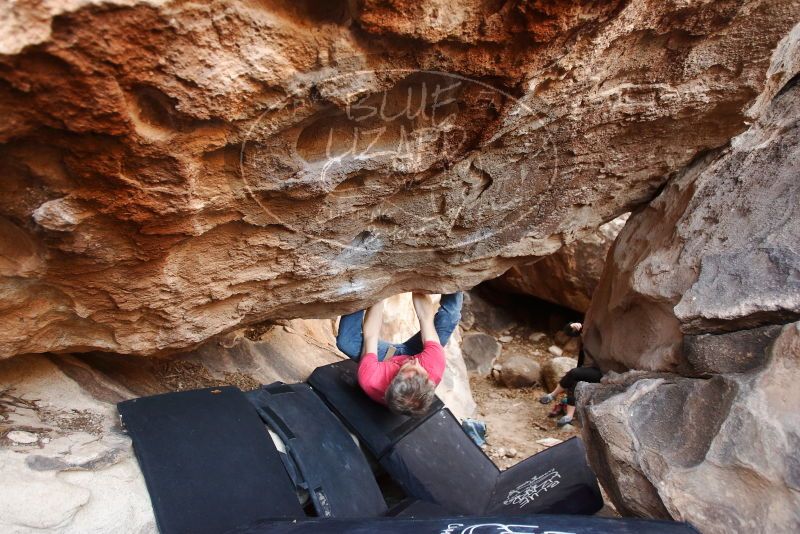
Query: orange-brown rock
x: 174, y: 170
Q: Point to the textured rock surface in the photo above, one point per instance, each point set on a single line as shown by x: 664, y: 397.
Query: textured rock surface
x: 732, y: 352
x: 519, y: 372
x: 718, y: 250
x: 174, y: 170
x: 555, y: 368
x: 700, y: 284
x: 71, y: 478
x: 567, y: 277
x: 720, y: 453
x: 480, y: 351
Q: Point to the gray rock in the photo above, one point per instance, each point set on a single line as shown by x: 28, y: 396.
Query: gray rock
x: 537, y: 336
x: 717, y: 250
x: 480, y: 351
x: 734, y: 352
x: 720, y: 453
x: 477, y: 312
x: 554, y: 369
x: 22, y: 437
x: 693, y: 285
x: 520, y: 372
x: 555, y: 351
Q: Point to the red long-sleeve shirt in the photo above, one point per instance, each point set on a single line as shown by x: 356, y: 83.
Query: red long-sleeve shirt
x: 375, y: 377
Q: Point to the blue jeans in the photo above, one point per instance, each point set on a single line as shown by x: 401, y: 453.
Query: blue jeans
x: 350, y: 336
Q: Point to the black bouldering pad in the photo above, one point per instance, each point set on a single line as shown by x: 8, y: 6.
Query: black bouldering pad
x: 439, y: 463
x: 376, y: 427
x: 413, y: 508
x: 555, y: 481
x: 208, y: 461
x: 527, y: 524
x: 333, y: 467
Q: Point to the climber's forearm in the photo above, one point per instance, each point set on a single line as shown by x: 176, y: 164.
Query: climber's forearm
x: 428, y: 331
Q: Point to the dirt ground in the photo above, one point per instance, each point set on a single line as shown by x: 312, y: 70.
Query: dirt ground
x: 515, y: 420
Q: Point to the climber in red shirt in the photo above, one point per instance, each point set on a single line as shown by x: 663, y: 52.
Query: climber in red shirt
x: 405, y: 384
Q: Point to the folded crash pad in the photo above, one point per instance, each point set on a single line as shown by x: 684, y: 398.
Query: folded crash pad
x: 335, y: 472
x: 557, y: 480
x: 527, y: 524
x: 376, y: 427
x: 439, y: 463
x: 208, y: 461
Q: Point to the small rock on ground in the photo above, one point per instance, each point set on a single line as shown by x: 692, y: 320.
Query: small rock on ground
x: 22, y: 437
x: 520, y: 372
x: 479, y: 351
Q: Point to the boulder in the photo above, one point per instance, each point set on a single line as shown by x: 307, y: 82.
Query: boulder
x: 719, y: 453
x: 695, y: 299
x: 555, y: 368
x: 479, y: 313
x: 519, y: 372
x: 176, y: 170
x: 480, y: 351
x: 569, y: 276
x: 537, y: 337
x: 716, y: 251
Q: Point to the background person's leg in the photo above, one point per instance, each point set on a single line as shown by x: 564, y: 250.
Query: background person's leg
x: 579, y: 374
x: 445, y: 321
x: 350, y: 336
x: 569, y: 380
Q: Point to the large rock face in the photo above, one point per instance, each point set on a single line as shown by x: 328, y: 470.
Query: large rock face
x: 695, y: 298
x: 567, y: 277
x: 720, y: 453
x: 174, y: 170
x: 718, y: 250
